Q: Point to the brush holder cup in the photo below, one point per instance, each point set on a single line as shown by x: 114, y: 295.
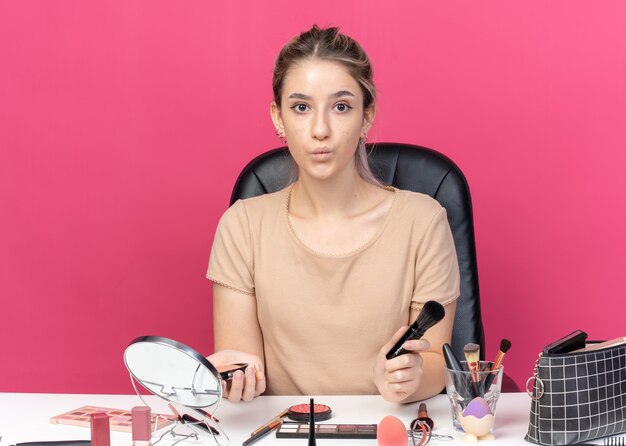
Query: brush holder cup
x: 473, y: 398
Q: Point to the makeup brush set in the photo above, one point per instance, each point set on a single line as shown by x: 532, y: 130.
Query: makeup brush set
x: 474, y: 378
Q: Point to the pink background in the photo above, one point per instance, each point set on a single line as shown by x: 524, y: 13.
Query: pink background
x: 123, y: 125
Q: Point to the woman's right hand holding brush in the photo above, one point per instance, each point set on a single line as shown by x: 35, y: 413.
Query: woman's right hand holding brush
x: 400, y: 378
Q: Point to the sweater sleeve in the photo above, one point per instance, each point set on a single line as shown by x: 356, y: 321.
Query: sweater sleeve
x: 231, y: 261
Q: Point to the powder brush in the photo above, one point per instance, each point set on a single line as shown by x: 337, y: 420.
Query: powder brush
x: 432, y: 312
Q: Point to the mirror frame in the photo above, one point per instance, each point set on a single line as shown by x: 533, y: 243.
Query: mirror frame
x: 175, y: 345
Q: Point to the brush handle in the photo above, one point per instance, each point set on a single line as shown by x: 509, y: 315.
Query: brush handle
x: 497, y: 362
x: 475, y: 381
x: 495, y: 365
x: 412, y: 333
x: 415, y: 331
x: 453, y: 363
x: 489, y: 379
x: 431, y: 313
x: 56, y: 443
x: 312, y: 423
x: 199, y: 424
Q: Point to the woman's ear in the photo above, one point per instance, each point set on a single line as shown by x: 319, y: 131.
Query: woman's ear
x: 368, y: 120
x: 277, y: 119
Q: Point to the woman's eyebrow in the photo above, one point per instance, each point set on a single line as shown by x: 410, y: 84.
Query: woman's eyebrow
x: 305, y: 97
x: 300, y: 96
x: 342, y: 93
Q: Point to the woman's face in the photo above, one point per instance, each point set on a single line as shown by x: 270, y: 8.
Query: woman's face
x: 321, y: 115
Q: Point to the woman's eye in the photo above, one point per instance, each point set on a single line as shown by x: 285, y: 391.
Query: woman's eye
x: 301, y: 108
x: 342, y: 108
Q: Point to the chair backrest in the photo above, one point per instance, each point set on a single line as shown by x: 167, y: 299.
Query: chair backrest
x: 406, y: 167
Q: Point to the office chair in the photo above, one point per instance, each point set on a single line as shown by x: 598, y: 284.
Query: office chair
x: 411, y: 168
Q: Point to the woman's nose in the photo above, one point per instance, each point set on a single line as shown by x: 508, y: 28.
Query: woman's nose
x: 321, y: 128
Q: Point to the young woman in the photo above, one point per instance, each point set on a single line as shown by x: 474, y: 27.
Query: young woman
x: 313, y: 284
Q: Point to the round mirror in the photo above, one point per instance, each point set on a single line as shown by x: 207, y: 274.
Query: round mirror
x: 173, y: 371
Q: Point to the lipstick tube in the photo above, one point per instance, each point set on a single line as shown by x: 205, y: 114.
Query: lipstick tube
x: 100, y: 432
x: 141, y: 426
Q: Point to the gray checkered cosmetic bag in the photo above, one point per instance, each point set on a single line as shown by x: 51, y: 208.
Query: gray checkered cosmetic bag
x: 578, y: 396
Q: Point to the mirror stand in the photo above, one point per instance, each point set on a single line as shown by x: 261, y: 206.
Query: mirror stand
x: 182, y: 377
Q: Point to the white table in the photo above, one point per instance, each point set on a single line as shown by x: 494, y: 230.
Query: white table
x: 25, y: 417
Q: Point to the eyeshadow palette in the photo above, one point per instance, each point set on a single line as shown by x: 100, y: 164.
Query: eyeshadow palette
x: 347, y: 431
x: 120, y: 420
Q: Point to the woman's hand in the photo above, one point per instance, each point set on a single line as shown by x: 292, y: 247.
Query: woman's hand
x: 400, y: 378
x: 245, y: 385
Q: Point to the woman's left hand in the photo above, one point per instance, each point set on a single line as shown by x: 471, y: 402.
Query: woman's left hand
x: 244, y: 386
x: 399, y: 378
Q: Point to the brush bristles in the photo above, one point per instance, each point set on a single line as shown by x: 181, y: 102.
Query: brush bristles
x: 471, y: 348
x: 432, y: 312
x: 505, y: 345
x: 472, y: 356
x: 472, y: 352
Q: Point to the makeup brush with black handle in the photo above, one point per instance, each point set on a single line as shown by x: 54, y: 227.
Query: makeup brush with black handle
x: 432, y: 312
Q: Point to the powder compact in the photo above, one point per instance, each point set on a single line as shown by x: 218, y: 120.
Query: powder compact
x: 300, y: 412
x: 227, y: 371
